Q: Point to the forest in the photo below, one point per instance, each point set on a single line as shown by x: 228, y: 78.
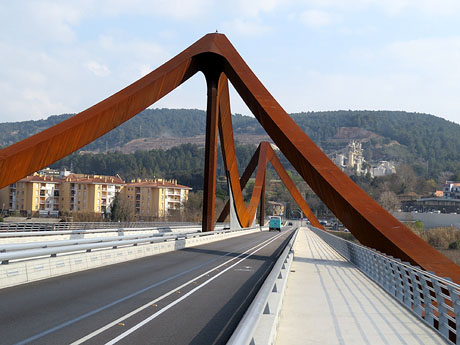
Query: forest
x: 429, y: 143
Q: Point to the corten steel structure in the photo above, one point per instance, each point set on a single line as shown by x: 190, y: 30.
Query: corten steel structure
x: 215, y: 56
x: 260, y: 159
x: 263, y: 155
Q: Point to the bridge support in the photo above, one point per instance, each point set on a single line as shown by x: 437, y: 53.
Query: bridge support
x: 210, y: 163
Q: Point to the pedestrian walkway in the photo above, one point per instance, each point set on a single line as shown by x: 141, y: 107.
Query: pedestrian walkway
x: 329, y: 301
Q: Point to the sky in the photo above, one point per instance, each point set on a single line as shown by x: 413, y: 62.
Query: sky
x: 312, y: 55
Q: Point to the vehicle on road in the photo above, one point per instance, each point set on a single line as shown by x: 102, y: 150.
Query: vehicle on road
x: 290, y: 224
x: 275, y: 223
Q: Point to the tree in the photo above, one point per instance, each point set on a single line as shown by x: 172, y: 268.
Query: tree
x: 389, y: 201
x: 122, y: 210
x: 193, y: 207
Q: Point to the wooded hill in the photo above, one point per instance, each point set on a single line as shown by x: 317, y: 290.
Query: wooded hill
x: 430, y: 143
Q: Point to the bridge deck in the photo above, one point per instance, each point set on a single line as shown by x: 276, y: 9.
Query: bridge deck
x: 329, y: 301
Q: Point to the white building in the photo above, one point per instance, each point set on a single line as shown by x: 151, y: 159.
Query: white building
x: 352, y: 159
x: 451, y: 190
x: 383, y: 168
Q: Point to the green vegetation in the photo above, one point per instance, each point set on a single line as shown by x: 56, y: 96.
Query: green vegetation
x: 425, y: 140
x: 184, y: 163
x: 429, y: 143
x: 426, y: 147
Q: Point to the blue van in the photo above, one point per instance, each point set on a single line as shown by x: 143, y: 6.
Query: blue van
x: 275, y: 223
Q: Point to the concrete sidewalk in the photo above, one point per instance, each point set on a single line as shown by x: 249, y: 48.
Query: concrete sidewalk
x: 329, y: 301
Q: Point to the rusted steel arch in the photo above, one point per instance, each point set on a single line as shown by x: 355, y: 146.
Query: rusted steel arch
x: 372, y: 225
x: 264, y: 150
x: 273, y: 159
x: 214, y: 54
x: 245, y: 215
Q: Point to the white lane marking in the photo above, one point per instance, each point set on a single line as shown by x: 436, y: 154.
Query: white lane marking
x: 115, y: 322
x: 172, y: 304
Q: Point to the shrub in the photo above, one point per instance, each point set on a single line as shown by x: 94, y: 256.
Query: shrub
x: 454, y: 245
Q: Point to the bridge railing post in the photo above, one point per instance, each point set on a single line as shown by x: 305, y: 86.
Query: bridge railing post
x: 441, y: 307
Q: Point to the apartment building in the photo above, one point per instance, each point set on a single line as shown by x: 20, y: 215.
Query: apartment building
x: 154, y: 198
x: 48, y: 194
x: 89, y: 193
x: 31, y: 195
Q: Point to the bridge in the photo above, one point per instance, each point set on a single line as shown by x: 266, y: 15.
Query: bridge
x: 199, y: 293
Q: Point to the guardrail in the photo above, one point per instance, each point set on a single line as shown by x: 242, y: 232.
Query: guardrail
x: 24, y: 263
x: 161, y: 229
x: 258, y: 325
x: 52, y: 248
x: 434, y: 300
x: 45, y: 226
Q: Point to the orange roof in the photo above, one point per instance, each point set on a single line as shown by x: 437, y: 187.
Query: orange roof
x: 82, y: 178
x: 40, y: 178
x: 156, y: 184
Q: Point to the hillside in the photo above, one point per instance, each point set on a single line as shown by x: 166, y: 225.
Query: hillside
x: 420, y: 139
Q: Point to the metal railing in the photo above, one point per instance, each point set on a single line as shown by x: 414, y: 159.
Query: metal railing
x: 46, y: 226
x: 52, y: 248
x: 119, y: 231
x: 434, y: 300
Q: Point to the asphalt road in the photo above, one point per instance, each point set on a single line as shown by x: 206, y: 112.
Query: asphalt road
x: 192, y: 296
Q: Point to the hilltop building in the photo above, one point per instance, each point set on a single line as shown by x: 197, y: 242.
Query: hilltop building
x: 383, y: 168
x: 351, y: 161
x: 48, y: 193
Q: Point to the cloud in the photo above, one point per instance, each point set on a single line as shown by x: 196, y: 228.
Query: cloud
x: 254, y: 8
x: 70, y: 80
x: 174, y: 9
x: 98, y: 69
x: 316, y: 19
x: 415, y: 75
x: 246, y: 27
x: 389, y: 7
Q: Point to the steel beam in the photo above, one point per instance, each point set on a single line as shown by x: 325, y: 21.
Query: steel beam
x: 210, y: 163
x: 366, y: 219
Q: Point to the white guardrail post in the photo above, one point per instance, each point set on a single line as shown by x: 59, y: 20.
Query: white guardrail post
x: 434, y: 300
